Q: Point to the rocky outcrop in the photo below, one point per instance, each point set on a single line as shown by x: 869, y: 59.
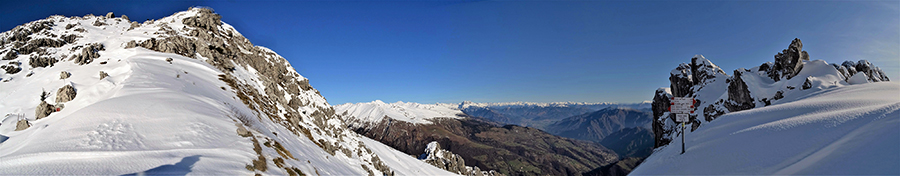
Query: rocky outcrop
x: 738, y: 94
x: 43, y: 110
x: 717, y: 94
x: 443, y: 159
x: 41, y: 61
x: 207, y: 20
x: 10, y: 55
x: 660, y: 107
x: 849, y: 68
x: 12, y: 67
x: 37, y: 45
x: 65, y: 94
x: 681, y: 79
x: 22, y: 125
x: 789, y: 61
x: 89, y: 53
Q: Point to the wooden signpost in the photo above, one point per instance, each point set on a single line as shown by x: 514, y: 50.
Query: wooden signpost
x: 682, y: 107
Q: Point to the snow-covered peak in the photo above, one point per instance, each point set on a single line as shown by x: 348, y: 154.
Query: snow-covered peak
x: 376, y: 111
x: 185, y: 93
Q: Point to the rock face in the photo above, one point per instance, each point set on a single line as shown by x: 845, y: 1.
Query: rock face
x: 43, y: 110
x: 789, y: 61
x: 738, y: 94
x: 65, y: 94
x: 717, y: 94
x: 661, y: 107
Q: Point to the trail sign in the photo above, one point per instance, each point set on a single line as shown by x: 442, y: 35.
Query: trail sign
x: 682, y: 107
x: 681, y: 117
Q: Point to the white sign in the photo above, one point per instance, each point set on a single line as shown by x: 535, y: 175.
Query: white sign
x: 681, y: 117
x: 681, y: 105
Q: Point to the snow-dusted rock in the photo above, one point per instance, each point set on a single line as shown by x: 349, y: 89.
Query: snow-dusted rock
x: 65, y: 94
x: 717, y: 94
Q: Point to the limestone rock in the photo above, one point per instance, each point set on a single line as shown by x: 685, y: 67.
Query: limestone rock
x: 789, y: 62
x: 134, y: 24
x: 242, y: 131
x: 64, y: 75
x: 89, y: 53
x: 43, y: 110
x: 738, y: 94
x: 681, y: 80
x: 103, y: 75
x: 10, y: 55
x: 65, y: 94
x: 207, y: 19
x: 110, y: 15
x: 41, y: 61
x: 22, y: 125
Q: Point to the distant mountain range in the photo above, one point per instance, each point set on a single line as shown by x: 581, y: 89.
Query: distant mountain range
x: 491, y: 145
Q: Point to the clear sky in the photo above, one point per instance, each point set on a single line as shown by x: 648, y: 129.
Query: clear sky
x: 537, y: 51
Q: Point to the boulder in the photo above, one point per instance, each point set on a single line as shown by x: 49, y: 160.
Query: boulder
x: 10, y: 55
x: 64, y: 74
x: 11, y: 69
x: 134, y: 24
x: 65, y: 94
x: 110, y: 15
x: 43, y: 110
x: 103, y: 75
x: 98, y: 23
x: 242, y: 131
x: 22, y: 125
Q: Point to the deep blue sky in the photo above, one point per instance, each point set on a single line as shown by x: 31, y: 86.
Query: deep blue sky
x: 538, y: 51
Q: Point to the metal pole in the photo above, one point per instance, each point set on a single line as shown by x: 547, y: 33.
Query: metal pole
x: 682, y: 137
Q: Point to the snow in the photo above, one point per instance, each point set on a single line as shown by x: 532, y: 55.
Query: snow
x: 375, y: 111
x: 840, y: 130
x: 154, y: 117
x: 403, y: 163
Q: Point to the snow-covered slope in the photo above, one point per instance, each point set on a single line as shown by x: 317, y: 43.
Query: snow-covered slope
x: 840, y: 130
x: 185, y: 94
x: 794, y: 116
x: 375, y: 111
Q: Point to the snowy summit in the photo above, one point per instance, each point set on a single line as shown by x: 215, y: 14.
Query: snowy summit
x: 183, y: 94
